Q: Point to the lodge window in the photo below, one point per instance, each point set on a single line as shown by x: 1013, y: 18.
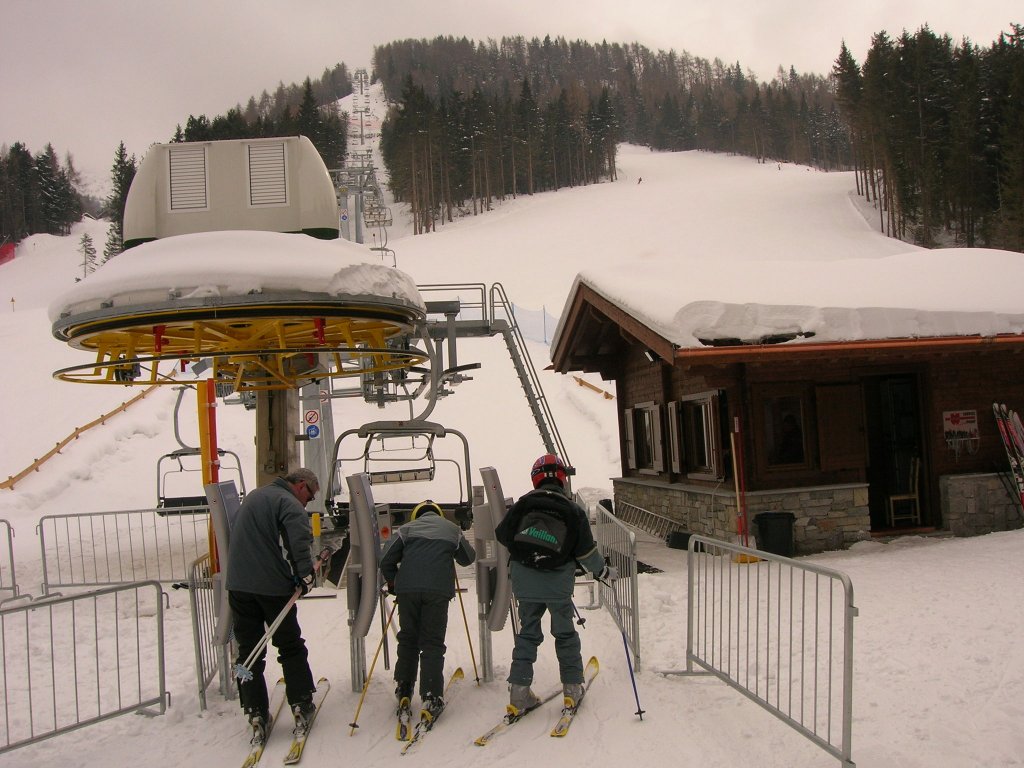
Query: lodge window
x: 784, y: 431
x: 695, y: 436
x: 800, y: 426
x: 643, y: 438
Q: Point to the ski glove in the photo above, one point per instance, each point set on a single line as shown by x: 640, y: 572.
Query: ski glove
x: 305, y: 584
x: 608, y: 573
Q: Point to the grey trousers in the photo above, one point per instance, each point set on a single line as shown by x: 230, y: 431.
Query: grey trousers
x: 563, y: 630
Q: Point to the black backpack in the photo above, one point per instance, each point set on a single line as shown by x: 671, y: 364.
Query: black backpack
x: 541, y: 530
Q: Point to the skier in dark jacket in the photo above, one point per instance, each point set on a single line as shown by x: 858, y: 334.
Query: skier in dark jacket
x: 418, y: 565
x: 537, y: 591
x: 269, y: 560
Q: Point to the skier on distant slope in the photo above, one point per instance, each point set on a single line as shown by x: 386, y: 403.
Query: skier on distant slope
x: 544, y: 580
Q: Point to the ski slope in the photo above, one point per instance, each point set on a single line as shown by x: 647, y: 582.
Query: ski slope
x: 938, y: 664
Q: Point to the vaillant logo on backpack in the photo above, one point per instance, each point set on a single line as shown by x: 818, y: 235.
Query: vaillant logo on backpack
x: 536, y: 533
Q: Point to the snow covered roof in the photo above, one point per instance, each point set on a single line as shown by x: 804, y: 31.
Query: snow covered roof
x: 694, y: 303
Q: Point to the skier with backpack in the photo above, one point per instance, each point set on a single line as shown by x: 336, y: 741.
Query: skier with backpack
x: 548, y: 536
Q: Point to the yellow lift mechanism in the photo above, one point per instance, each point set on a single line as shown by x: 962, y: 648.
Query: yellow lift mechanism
x: 254, y: 348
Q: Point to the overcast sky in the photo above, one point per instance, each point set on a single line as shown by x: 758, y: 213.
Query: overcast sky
x: 86, y: 75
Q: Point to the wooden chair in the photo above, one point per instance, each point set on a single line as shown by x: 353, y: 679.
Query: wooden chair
x: 909, y: 499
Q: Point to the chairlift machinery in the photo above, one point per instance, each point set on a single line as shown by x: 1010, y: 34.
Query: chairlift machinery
x: 407, y: 450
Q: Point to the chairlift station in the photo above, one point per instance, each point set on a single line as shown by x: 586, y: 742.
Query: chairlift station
x: 233, y: 264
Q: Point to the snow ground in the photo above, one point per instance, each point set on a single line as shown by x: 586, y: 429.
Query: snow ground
x: 938, y: 665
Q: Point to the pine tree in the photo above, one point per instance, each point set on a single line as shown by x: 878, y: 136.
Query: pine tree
x: 122, y: 173
x: 308, y: 118
x: 88, y: 251
x: 114, y: 244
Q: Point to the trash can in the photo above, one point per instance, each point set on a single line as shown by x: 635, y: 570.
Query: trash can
x: 678, y: 540
x: 775, y: 532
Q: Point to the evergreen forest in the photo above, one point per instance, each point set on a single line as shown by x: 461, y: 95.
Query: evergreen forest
x: 38, y: 193
x: 309, y: 110
x: 933, y: 128
x: 937, y: 136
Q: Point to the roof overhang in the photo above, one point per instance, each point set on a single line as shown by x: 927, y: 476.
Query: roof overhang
x: 596, y: 331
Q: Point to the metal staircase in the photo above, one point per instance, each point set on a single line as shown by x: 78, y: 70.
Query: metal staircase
x: 472, y: 310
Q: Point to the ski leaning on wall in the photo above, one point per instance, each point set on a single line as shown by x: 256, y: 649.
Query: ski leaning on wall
x: 1013, y: 444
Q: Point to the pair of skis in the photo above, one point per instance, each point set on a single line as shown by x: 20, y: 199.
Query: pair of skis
x: 568, y: 714
x: 1011, y: 430
x: 404, y: 731
x: 298, y: 737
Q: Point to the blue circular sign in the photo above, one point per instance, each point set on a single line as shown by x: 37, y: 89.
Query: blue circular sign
x: 312, y: 431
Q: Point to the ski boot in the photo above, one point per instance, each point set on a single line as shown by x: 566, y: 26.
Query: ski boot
x: 433, y: 706
x: 303, y: 711
x: 521, y: 699
x: 260, y: 723
x: 572, y: 693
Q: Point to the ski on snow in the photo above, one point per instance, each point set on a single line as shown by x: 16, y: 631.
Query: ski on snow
x: 258, y: 745
x: 427, y: 721
x: 323, y: 685
x: 569, y: 712
x: 403, y: 729
x: 512, y: 717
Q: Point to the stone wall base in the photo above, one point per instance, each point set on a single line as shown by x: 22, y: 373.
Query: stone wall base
x: 826, y: 517
x: 979, y: 503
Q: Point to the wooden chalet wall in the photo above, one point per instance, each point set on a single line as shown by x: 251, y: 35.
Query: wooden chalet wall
x: 961, y: 491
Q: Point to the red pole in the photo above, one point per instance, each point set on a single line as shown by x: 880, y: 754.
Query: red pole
x: 741, y: 519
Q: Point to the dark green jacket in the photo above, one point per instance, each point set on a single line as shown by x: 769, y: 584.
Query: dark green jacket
x: 534, y: 585
x: 421, y: 557
x: 271, y: 542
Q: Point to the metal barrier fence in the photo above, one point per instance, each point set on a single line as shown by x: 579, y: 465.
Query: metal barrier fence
x: 618, y: 544
x: 211, y: 659
x: 777, y: 630
x: 68, y: 662
x: 645, y: 520
x: 102, y: 548
x: 8, y: 576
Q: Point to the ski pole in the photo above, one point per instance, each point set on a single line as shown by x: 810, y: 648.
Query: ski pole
x: 465, y: 622
x: 384, y: 628
x: 244, y: 671
x: 625, y: 644
x: 366, y: 685
x: 579, y: 616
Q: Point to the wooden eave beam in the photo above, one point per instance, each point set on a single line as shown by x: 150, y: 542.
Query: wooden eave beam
x: 588, y: 304
x: 831, y: 349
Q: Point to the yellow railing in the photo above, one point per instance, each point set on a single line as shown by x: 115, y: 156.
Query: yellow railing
x: 36, y: 463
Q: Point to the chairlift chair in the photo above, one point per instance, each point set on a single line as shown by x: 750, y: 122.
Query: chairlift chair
x: 415, y: 460
x: 183, y: 504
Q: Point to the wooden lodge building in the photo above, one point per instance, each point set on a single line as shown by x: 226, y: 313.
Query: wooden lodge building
x: 855, y: 437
